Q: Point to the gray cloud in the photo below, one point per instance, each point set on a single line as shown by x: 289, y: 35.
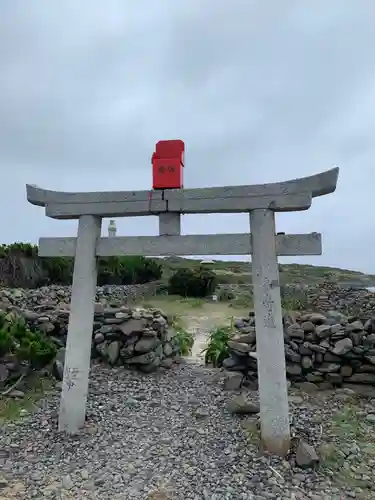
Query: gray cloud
x: 259, y: 91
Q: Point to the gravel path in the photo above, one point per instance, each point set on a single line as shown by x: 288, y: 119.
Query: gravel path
x: 168, y: 433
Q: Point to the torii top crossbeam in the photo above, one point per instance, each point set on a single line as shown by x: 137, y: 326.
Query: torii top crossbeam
x: 293, y: 195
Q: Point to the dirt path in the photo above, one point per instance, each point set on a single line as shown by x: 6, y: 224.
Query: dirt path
x: 201, y: 325
x: 199, y: 320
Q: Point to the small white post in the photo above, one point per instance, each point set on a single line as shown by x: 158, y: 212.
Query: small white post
x: 273, y: 393
x: 112, y: 230
x: 78, y: 348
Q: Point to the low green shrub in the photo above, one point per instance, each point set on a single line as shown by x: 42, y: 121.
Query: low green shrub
x: 162, y: 289
x: 226, y: 295
x: 293, y: 304
x: 217, y: 345
x: 32, y: 347
x: 58, y: 270
x: 127, y: 270
x: 196, y: 282
x: 24, y: 249
x: 244, y: 301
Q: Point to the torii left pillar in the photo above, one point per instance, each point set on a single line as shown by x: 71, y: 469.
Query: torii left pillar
x: 78, y: 350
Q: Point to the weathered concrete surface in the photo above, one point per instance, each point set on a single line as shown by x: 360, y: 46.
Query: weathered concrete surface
x: 280, y: 196
x: 78, y: 348
x: 282, y: 203
x: 317, y: 185
x: 170, y: 224
x: 212, y: 244
x: 273, y: 395
x: 65, y: 211
x: 42, y: 197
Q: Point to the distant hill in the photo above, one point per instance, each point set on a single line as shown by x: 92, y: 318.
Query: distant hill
x: 240, y: 272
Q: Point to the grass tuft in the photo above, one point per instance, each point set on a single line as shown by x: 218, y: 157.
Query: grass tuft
x: 184, y: 338
x: 348, y: 449
x: 35, y: 389
x: 217, y: 345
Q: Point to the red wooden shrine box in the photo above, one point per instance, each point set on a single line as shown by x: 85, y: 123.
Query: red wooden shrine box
x: 168, y: 165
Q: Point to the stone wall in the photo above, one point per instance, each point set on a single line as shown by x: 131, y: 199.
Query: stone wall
x: 322, y: 297
x: 319, y: 348
x: 136, y: 338
x: 132, y: 293
x: 328, y: 296
x: 53, y: 294
x: 352, y: 301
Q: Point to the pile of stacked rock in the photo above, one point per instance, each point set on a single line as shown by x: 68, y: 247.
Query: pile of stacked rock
x: 347, y: 300
x: 319, y: 348
x: 137, y: 338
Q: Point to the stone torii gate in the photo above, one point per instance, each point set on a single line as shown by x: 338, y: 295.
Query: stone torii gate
x: 263, y: 244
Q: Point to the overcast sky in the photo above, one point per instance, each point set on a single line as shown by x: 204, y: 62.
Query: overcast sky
x: 260, y: 91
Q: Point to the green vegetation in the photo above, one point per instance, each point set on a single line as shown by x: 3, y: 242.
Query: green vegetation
x: 24, y: 249
x: 27, y: 346
x: 184, y: 338
x: 128, y: 270
x: 251, y: 428
x: 198, y: 282
x: 242, y: 301
x: 349, y: 449
x: 31, y: 351
x: 34, y: 389
x: 226, y: 295
x: 293, y: 304
x: 217, y: 345
x: 240, y: 272
x: 137, y: 269
x: 192, y: 302
x: 59, y: 270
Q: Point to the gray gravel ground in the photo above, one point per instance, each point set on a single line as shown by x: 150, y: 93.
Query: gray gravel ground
x: 168, y: 433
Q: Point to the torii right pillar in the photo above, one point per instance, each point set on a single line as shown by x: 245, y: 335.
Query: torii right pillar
x: 273, y: 390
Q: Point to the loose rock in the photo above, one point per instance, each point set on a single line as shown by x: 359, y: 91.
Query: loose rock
x: 306, y: 456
